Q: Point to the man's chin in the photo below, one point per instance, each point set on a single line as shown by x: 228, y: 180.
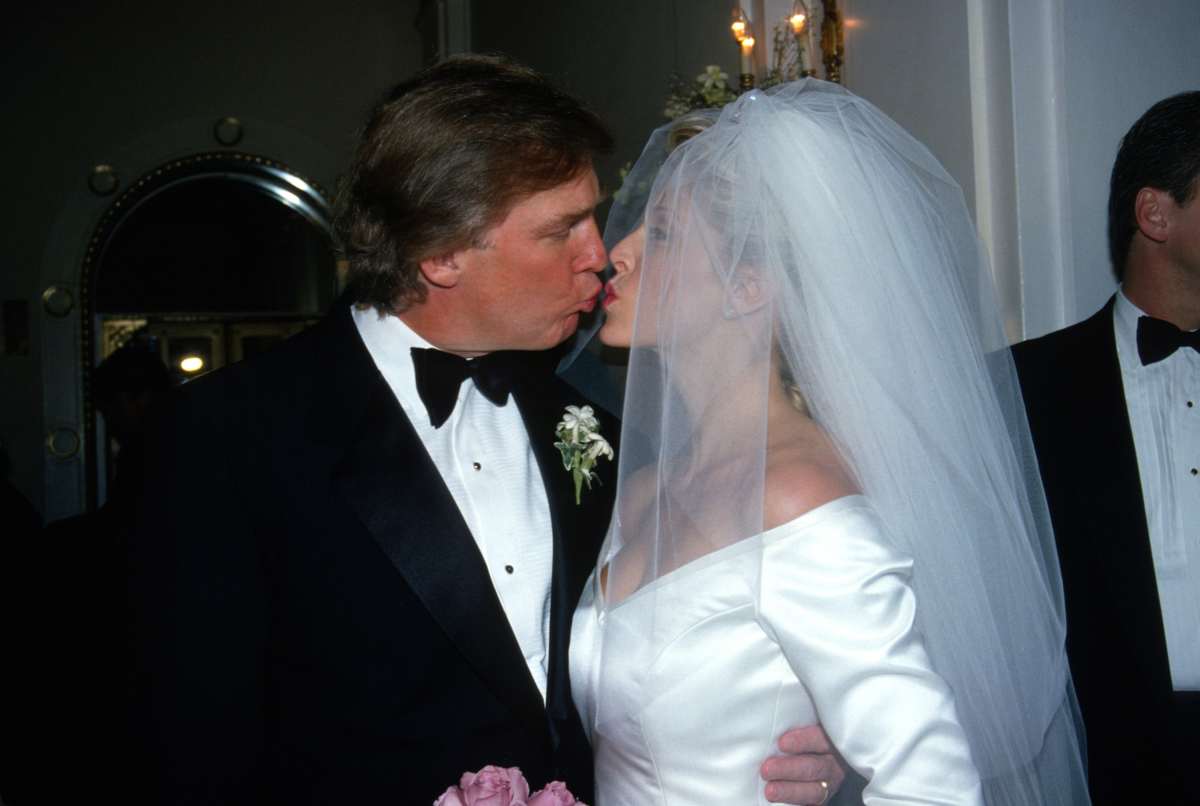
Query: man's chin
x: 566, y: 330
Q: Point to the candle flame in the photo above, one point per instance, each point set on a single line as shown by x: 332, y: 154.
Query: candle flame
x: 748, y: 44
x: 797, y: 21
x: 739, y: 30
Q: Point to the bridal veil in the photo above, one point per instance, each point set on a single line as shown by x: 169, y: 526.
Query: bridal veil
x: 805, y: 233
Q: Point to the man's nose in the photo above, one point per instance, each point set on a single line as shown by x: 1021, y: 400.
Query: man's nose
x: 593, y: 256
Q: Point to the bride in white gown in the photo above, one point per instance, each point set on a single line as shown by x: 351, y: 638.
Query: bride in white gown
x: 828, y: 508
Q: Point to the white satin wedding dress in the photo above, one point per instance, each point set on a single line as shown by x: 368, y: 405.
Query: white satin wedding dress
x: 702, y: 673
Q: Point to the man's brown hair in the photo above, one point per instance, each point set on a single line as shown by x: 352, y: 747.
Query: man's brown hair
x: 443, y: 158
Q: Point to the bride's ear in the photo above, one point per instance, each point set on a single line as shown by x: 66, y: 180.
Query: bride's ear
x: 746, y: 292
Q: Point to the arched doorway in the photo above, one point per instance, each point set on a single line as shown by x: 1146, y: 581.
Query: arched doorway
x: 202, y: 261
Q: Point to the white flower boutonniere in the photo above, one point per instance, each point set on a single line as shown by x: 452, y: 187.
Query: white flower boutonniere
x: 581, y: 445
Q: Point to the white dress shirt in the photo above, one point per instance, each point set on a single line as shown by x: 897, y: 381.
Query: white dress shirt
x: 483, y: 454
x: 1163, y: 400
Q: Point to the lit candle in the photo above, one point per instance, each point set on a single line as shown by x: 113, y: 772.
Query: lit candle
x: 799, y: 21
x: 748, y: 56
x: 810, y: 52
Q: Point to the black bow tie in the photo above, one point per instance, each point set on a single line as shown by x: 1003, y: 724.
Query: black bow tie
x: 439, y: 375
x: 1157, y: 339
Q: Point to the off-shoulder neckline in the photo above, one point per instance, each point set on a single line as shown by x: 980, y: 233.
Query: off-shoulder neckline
x: 801, y: 523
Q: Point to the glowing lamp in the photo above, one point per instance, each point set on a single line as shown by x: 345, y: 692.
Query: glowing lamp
x: 191, y: 364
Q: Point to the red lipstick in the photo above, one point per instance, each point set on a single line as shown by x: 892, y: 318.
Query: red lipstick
x: 610, y: 294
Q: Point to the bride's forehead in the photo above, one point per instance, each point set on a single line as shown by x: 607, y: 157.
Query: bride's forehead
x: 691, y: 206
x: 671, y: 219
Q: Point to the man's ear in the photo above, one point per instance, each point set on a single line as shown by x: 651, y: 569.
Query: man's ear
x: 442, y: 271
x: 1152, y: 211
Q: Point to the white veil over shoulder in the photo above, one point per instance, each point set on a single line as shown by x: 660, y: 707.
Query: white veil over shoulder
x: 805, y: 233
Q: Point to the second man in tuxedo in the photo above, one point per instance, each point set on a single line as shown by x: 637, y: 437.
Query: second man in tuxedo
x: 1114, y: 407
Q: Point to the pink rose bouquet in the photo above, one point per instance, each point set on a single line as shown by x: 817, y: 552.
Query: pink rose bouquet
x: 499, y: 786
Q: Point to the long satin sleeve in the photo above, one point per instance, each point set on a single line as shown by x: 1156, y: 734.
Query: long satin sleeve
x: 838, y: 601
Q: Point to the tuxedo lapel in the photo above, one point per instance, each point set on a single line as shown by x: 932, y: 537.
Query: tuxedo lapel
x: 389, y: 480
x: 1130, y: 557
x: 578, y: 528
x: 1104, y: 392
x: 1076, y: 400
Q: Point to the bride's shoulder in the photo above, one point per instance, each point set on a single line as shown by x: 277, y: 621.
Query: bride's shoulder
x: 799, y: 479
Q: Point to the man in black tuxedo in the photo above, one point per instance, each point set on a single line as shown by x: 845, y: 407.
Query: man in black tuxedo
x: 1114, y: 408
x: 355, y: 570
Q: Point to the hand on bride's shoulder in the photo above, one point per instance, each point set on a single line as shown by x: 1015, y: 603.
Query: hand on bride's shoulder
x: 802, y: 474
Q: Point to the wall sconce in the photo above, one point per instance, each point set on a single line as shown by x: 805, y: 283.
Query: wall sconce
x: 740, y: 26
x: 810, y: 24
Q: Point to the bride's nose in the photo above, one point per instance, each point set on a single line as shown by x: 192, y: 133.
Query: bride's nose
x: 624, y: 258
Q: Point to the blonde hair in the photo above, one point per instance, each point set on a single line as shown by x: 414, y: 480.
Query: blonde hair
x: 685, y: 127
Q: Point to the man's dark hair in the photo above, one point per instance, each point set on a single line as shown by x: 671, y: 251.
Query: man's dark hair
x: 1161, y: 151
x: 443, y: 158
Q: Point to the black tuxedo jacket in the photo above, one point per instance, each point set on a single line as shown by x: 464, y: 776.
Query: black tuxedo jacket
x: 311, y: 619
x: 1141, y: 736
